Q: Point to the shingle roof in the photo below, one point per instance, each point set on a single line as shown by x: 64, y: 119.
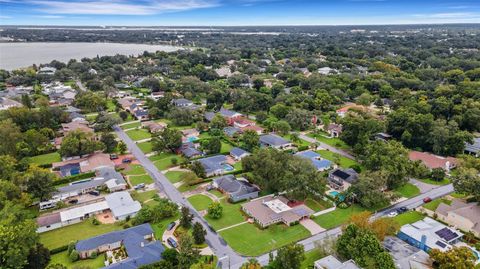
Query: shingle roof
x: 233, y: 186
x: 181, y: 102
x: 49, y: 219
x: 213, y: 163
x: 231, y: 131
x: 273, y: 140
x: 238, y: 152
x: 228, y: 113
x: 121, y: 204
x: 93, y: 183
x: 474, y: 147
x: 431, y: 160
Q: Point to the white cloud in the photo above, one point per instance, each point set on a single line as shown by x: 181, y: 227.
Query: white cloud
x: 50, y: 16
x: 120, y: 7
x: 5, y: 17
x: 451, y: 15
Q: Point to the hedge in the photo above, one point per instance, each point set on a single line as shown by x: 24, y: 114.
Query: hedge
x: 59, y: 249
x: 74, y: 178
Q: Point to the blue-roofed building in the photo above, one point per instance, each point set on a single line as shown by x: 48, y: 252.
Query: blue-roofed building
x: 236, y: 190
x: 474, y: 148
x: 139, y: 243
x: 182, y: 102
x: 189, y: 150
x: 215, y: 165
x: 316, y: 160
x: 274, y: 141
x: 231, y: 131
x: 238, y: 153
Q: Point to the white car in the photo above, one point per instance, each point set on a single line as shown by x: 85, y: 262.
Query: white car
x: 392, y: 214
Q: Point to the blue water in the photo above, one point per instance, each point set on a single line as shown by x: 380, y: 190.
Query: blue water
x: 334, y: 193
x: 228, y: 167
x: 192, y: 139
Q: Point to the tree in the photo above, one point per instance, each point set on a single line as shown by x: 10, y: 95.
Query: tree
x: 11, y: 135
x: 108, y: 139
x: 438, y: 174
x: 198, y: 233
x: 186, y: 218
x: 251, y: 264
x: 358, y: 129
x: 381, y: 227
x: 78, y: 143
x: 299, y: 119
x: 39, y: 182
x: 170, y: 255
x: 104, y: 122
x: 364, y: 248
x: 122, y: 147
x: 289, y: 257
x: 280, y: 110
x: 282, y: 127
x: 212, y: 145
x: 73, y: 256
x: 167, y: 140
x: 90, y: 102
x: 467, y: 181
x: 187, y: 254
x: 215, y: 210
x: 39, y: 257
x: 218, y: 122
x: 250, y: 140
x: 123, y: 115
x: 182, y: 116
x: 457, y: 257
x: 369, y: 190
x: 198, y: 169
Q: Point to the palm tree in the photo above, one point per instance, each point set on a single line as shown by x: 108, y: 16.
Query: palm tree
x: 251, y: 264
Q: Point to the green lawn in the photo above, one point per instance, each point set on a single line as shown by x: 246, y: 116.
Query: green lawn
x: 435, y: 203
x: 62, y: 258
x: 160, y: 227
x: 131, y: 125
x: 408, y: 217
x: 46, y: 158
x: 174, y: 176
x: 310, y: 258
x: 408, y: 190
x: 334, y: 157
x: 135, y: 180
x: 164, y: 160
x: 299, y: 143
x: 186, y: 187
x: 135, y: 169
x: 110, y: 105
x: 317, y: 205
x: 60, y: 237
x: 334, y: 142
x: 146, y: 147
x: 445, y: 181
x: 225, y: 149
x: 138, y: 134
x: 216, y: 193
x: 143, y: 196
x: 249, y: 240
x: 200, y: 201
x: 337, y: 217
x: 232, y: 214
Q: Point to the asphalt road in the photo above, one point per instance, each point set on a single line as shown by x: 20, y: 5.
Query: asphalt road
x: 225, y: 254
x: 228, y: 258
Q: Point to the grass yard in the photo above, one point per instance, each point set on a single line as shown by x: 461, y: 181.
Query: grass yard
x: 186, y: 187
x: 46, y: 158
x: 200, y: 201
x: 143, y: 196
x: 225, y: 149
x: 146, y: 147
x: 62, y: 236
x: 164, y: 160
x: 334, y: 157
x: 135, y: 180
x: 310, y: 258
x: 174, y: 176
x: 299, y: 143
x: 249, y: 240
x: 110, y: 106
x: 135, y: 169
x: 160, y: 227
x: 138, y: 134
x: 63, y: 259
x: 338, y: 216
x: 334, y: 142
x: 232, y: 214
x: 408, y: 190
x: 317, y: 205
x: 216, y: 193
x: 445, y: 181
x: 131, y: 125
x: 435, y: 203
x: 408, y: 217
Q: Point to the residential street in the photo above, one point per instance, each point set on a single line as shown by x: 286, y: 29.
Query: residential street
x: 326, y: 146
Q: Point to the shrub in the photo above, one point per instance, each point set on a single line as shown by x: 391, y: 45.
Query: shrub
x: 126, y: 226
x: 70, y: 247
x: 95, y: 221
x: 59, y: 249
x: 94, y: 255
x: 302, y: 148
x: 74, y: 256
x: 174, y: 161
x: 356, y: 167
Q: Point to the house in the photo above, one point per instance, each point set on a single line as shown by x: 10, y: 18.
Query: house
x: 342, y: 112
x: 316, y: 159
x: 341, y: 179
x: 224, y: 72
x: 138, y: 242
x: 230, y: 115
x: 75, y: 116
x: 83, y: 165
x: 474, y: 148
x: 157, y: 95
x: 236, y: 190
x: 334, y: 130
x: 6, y: 103
x: 274, y: 141
x: 182, y: 102
x: 77, y: 125
x: 138, y: 111
x: 331, y: 262
x: 238, y: 154
x: 382, y: 136
x: 215, y: 165
x: 119, y: 204
x: 153, y: 126
x: 464, y: 216
x: 242, y: 122
x: 259, y: 130
x: 47, y: 70
x: 428, y: 234
x: 432, y: 161
x: 232, y: 131
x: 406, y: 256
x: 190, y: 135
x: 114, y: 181
x: 327, y: 71
x: 189, y: 150
x: 271, y: 210
x: 126, y: 102
x: 16, y: 92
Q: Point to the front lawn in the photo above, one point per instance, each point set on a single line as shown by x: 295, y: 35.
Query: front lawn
x: 335, y: 157
x: 63, y: 236
x: 47, y: 158
x: 317, y: 205
x: 160, y: 227
x: 131, y: 125
x: 338, y: 216
x: 249, y: 240
x: 146, y: 147
x: 164, y: 160
x: 135, y: 180
x: 63, y: 259
x: 408, y: 217
x: 435, y: 203
x: 138, y: 134
x: 225, y: 149
x: 408, y: 190
x: 232, y: 214
x: 143, y: 196
x: 200, y: 202
x: 135, y: 169
x: 310, y: 258
x: 334, y: 142
x: 445, y: 181
x: 174, y: 176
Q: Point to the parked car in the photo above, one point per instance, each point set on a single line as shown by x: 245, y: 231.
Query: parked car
x: 172, y: 242
x: 73, y: 201
x: 392, y: 214
x: 427, y: 200
x: 126, y: 160
x: 113, y: 156
x: 170, y: 226
x: 95, y: 193
x: 139, y: 186
x: 402, y: 209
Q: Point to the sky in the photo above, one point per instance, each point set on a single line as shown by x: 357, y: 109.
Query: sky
x: 236, y: 12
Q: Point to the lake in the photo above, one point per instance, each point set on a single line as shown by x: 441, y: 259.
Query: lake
x: 17, y: 55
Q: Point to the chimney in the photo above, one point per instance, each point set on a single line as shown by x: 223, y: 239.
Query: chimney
x: 142, y: 244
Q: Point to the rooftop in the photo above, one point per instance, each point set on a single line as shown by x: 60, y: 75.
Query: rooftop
x: 273, y: 140
x: 431, y: 160
x: 213, y: 163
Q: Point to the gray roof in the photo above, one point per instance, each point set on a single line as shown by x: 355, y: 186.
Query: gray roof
x: 231, y: 131
x: 238, y: 152
x: 121, y: 204
x: 93, y: 183
x: 273, y: 140
x: 233, y: 186
x: 132, y: 238
x: 227, y: 113
x: 475, y: 147
x: 209, y: 116
x: 331, y: 262
x: 110, y: 173
x: 182, y: 102
x: 213, y: 163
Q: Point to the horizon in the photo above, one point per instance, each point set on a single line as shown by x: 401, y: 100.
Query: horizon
x: 206, y: 13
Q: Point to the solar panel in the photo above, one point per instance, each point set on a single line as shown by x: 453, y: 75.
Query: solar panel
x: 441, y: 244
x: 446, y: 234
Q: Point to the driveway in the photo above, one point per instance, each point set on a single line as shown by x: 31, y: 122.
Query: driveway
x: 422, y: 186
x: 311, y: 226
x: 326, y: 146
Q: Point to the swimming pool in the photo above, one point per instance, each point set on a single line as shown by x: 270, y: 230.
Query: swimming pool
x: 192, y: 138
x: 228, y: 168
x: 336, y: 194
